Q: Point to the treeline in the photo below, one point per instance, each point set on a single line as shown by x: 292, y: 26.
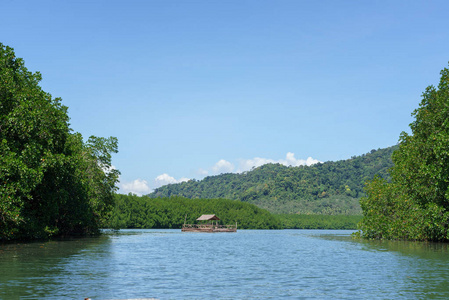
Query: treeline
x: 414, y: 205
x: 132, y: 211
x: 52, y: 183
x: 290, y: 221
x: 324, y: 188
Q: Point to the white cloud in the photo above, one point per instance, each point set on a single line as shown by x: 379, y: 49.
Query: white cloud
x: 164, y: 179
x: 141, y: 186
x: 202, y: 172
x: 138, y: 187
x: 223, y: 166
x: 311, y: 161
x: 248, y: 164
x: 290, y: 160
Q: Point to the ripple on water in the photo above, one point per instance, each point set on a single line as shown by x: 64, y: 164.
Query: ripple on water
x: 168, y: 264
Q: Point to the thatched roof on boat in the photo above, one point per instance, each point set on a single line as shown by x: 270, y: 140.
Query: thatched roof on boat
x: 207, y: 218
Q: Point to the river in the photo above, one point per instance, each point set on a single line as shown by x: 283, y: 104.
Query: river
x: 249, y: 264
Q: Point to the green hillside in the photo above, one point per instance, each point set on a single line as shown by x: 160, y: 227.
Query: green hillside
x: 326, y: 188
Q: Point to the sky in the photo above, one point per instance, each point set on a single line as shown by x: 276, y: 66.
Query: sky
x: 199, y: 88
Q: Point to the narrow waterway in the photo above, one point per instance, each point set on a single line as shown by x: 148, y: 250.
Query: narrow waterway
x: 249, y: 264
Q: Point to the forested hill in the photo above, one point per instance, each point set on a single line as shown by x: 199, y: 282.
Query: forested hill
x: 325, y: 188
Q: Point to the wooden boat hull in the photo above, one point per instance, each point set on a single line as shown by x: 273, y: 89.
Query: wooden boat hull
x: 211, y: 229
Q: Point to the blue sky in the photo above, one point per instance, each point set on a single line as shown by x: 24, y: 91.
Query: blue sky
x: 197, y: 88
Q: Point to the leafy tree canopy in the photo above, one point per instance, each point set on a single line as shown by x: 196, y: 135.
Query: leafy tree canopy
x: 132, y: 211
x: 415, y: 204
x: 326, y: 188
x: 51, y: 182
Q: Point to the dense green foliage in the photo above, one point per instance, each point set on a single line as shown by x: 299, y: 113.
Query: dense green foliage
x: 414, y: 205
x: 132, y: 211
x: 51, y: 182
x: 324, y: 188
x: 293, y: 221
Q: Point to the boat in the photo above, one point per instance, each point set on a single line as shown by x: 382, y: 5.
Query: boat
x: 207, y: 225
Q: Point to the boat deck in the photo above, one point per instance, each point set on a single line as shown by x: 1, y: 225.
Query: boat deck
x: 208, y: 228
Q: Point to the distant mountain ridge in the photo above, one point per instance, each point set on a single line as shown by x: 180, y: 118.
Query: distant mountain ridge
x: 323, y: 188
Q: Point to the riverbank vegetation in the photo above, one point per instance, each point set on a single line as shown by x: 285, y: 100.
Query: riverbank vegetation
x: 132, y: 211
x: 414, y: 205
x: 290, y: 221
x: 52, y: 183
x: 330, y: 188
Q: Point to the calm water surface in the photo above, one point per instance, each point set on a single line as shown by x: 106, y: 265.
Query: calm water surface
x: 251, y: 264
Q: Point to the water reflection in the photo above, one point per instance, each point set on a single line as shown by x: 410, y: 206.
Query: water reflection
x: 420, y: 249
x: 168, y: 264
x: 425, y: 250
x: 30, y: 270
x: 418, y: 269
x: 425, y: 264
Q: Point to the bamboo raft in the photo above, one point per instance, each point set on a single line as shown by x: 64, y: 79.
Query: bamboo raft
x: 209, y: 226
